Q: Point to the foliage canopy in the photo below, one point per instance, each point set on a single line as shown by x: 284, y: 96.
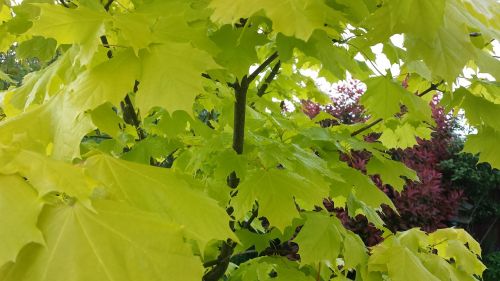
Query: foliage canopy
x: 128, y: 88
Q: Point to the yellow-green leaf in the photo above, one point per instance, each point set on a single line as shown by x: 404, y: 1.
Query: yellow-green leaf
x: 171, y: 76
x: 276, y: 192
x: 161, y: 191
x: 113, y: 243
x: 19, y: 210
x: 81, y: 26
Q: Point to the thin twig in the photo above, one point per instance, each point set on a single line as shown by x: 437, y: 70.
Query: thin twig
x: 369, y: 60
x: 261, y: 67
x: 131, y: 117
x: 63, y: 2
x: 488, y: 231
x: 433, y: 87
x: 214, y: 262
x: 269, y: 79
x: 205, y: 75
x: 105, y: 44
x: 357, y: 132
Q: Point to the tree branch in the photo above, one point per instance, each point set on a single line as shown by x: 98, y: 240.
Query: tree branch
x: 430, y: 89
x: 130, y: 115
x: 108, y: 5
x: 240, y: 92
x: 248, y: 223
x: 357, y: 132
x: 269, y: 79
x: 433, y: 87
x: 261, y: 67
x: 221, y: 263
x: 105, y: 44
x: 63, y: 2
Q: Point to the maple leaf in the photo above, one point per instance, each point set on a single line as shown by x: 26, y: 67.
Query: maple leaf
x: 19, y: 210
x: 156, y: 190
x: 308, y: 15
x: 56, y: 123
x: 171, y: 76
x: 80, y: 26
x: 97, y: 240
x: 267, y: 188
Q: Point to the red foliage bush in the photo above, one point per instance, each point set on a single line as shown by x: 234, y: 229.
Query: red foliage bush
x: 429, y: 203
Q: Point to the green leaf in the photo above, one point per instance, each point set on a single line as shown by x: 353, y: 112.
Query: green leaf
x: 488, y: 64
x: 478, y: 110
x: 354, y: 251
x: 443, y: 235
x: 485, y: 142
x: 38, y: 47
x: 364, y: 189
x: 250, y: 239
x: 47, y: 175
x: 237, y: 48
x: 308, y: 15
x: 107, y: 120
x: 19, y: 210
x: 80, y: 26
x: 39, y: 86
x: 55, y: 124
x: 171, y: 76
x: 101, y: 245
x: 383, y: 97
x: 465, y: 260
x: 121, y: 215
x: 269, y: 269
x: 109, y: 81
x: 276, y: 192
x: 336, y: 59
x: 5, y: 77
x: 323, y: 239
x: 136, y: 29
x: 418, y: 17
x: 440, y: 268
x: 404, y: 265
x: 320, y: 239
x: 402, y: 134
x: 390, y: 171
x: 448, y: 52
x: 161, y: 191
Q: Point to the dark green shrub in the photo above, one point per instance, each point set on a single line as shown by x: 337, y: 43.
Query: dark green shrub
x: 492, y: 261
